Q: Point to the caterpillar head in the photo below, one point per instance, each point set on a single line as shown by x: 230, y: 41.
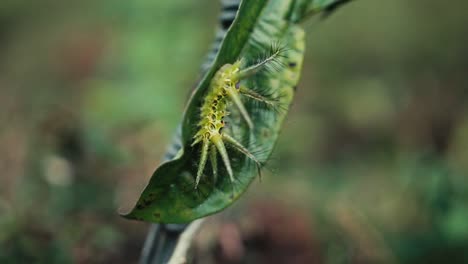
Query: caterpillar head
x: 230, y: 72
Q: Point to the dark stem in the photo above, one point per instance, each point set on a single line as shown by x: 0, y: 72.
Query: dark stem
x: 161, y: 242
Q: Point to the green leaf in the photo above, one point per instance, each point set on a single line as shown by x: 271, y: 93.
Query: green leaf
x: 170, y: 196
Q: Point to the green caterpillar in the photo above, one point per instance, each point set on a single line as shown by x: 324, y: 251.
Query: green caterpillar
x: 225, y: 88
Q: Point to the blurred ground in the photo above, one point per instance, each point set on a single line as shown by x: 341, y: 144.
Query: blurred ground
x: 371, y: 166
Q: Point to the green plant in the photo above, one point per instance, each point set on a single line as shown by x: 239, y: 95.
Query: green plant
x: 170, y: 196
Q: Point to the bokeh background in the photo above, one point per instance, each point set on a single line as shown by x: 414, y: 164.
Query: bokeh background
x: 371, y: 166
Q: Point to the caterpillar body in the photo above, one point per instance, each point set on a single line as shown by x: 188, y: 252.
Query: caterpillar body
x: 225, y: 89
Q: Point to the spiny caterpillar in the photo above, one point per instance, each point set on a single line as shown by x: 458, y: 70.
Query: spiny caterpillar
x: 224, y: 89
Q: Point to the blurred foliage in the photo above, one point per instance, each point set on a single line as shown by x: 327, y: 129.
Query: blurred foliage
x: 371, y: 166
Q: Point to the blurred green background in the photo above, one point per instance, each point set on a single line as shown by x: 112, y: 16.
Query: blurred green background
x: 371, y: 166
